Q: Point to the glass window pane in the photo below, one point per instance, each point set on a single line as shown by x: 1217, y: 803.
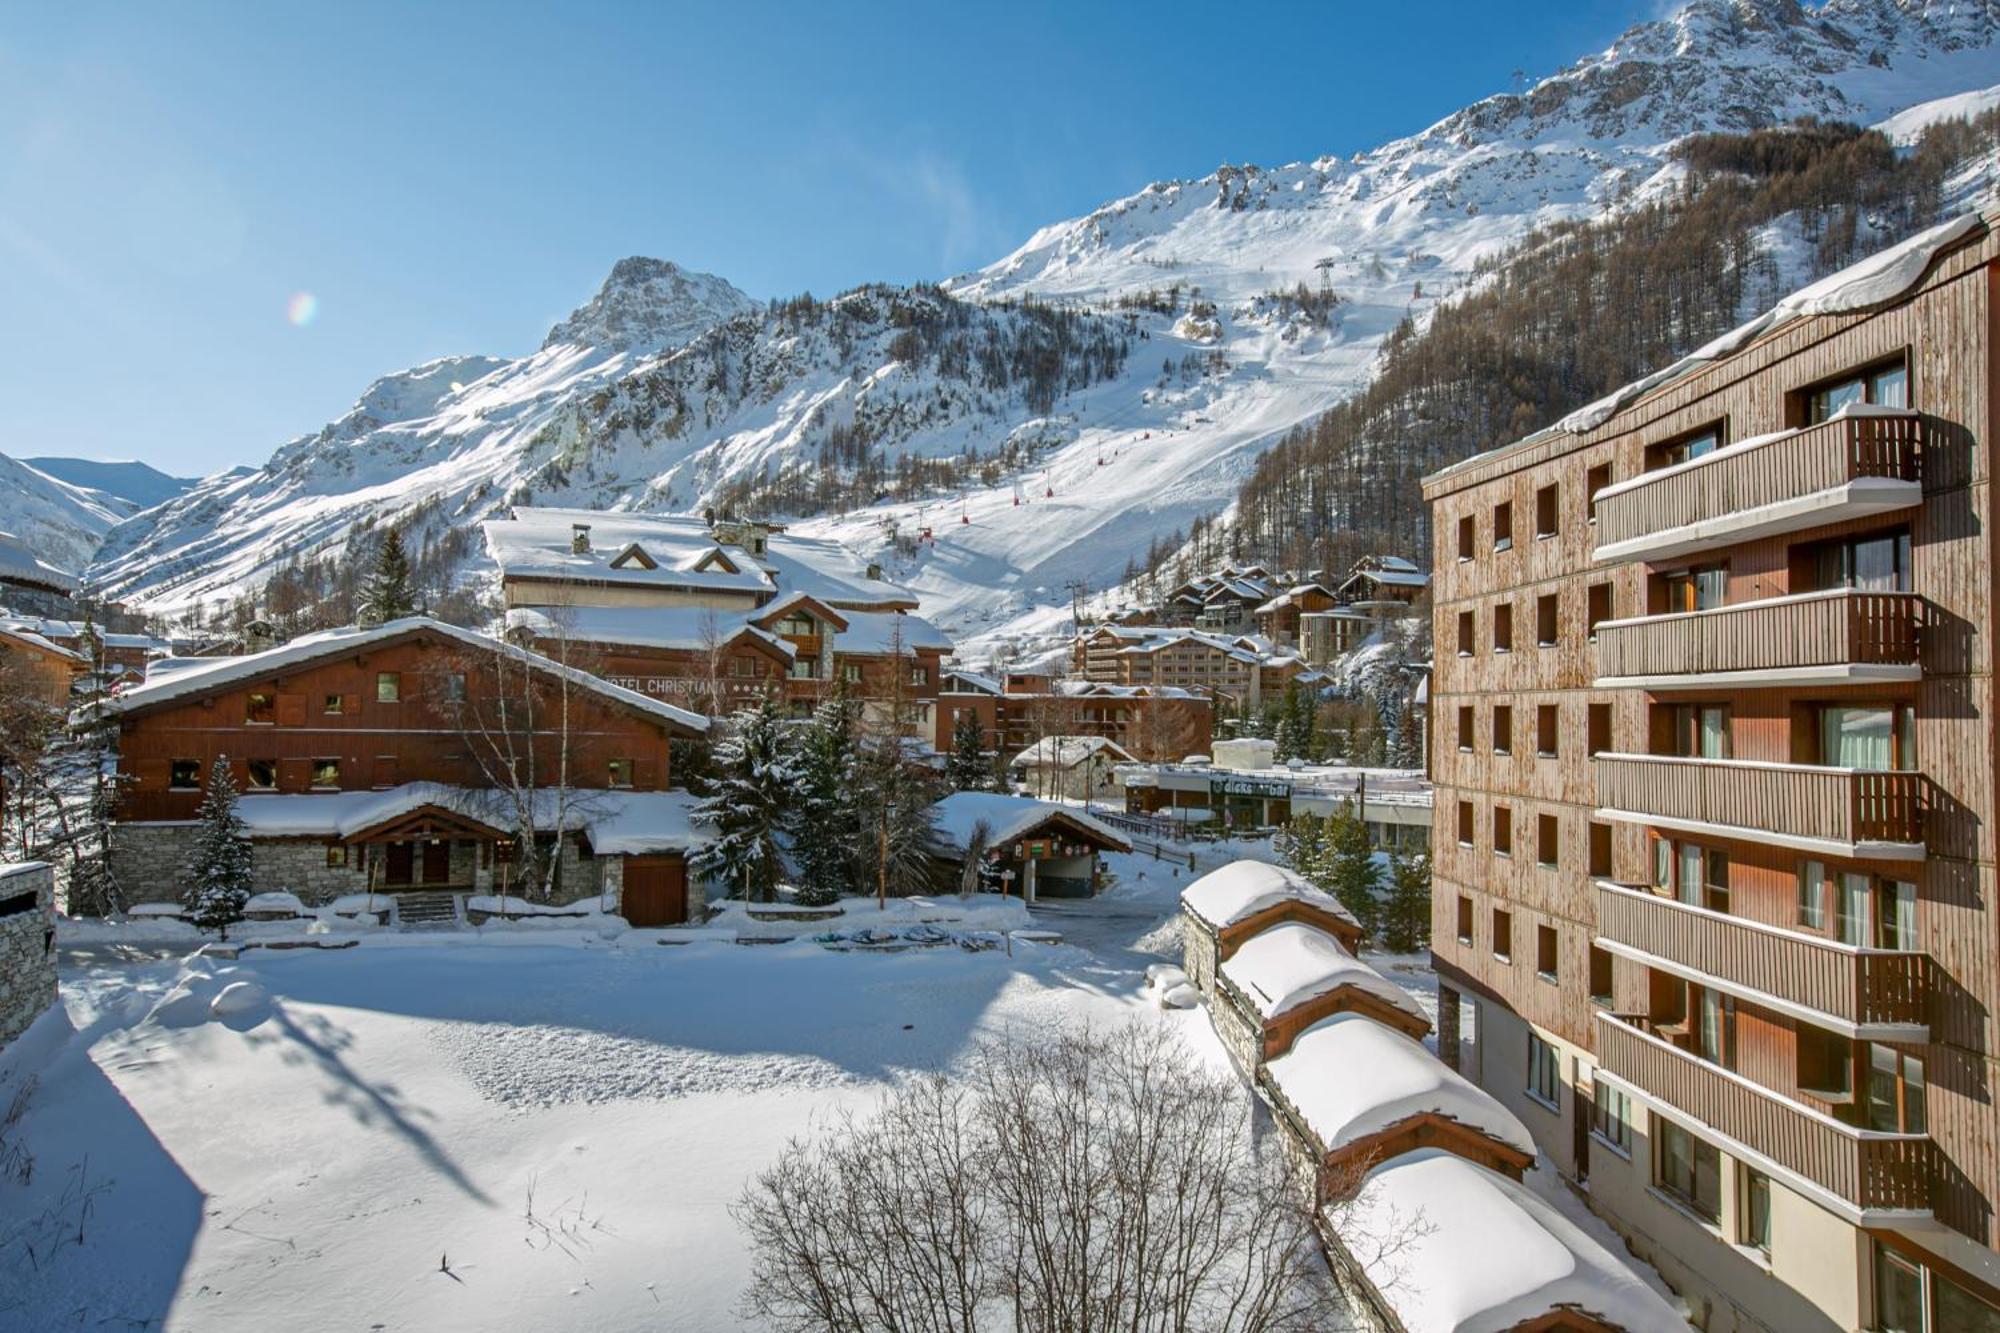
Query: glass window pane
x: 1715, y: 733
x: 1875, y: 564
x: 1955, y: 1308
x: 1710, y: 588
x: 1757, y: 1210
x: 1890, y: 388
x: 1830, y: 400
x: 1896, y: 914
x: 1899, y: 1294
x: 1688, y: 889
x: 1857, y: 737
x: 1812, y: 903
x: 1851, y: 909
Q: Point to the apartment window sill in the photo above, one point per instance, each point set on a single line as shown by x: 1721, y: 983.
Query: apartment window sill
x: 1597, y: 1137
x: 1545, y: 754
x: 1507, y: 545
x: 1542, y: 1101
x: 1546, y: 536
x: 1679, y: 1205
x: 1506, y: 958
x: 1548, y: 643
x: 1549, y: 977
x: 1466, y: 940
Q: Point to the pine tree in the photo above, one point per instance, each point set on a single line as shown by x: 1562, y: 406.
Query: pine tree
x: 746, y: 804
x: 387, y: 594
x: 1408, y: 751
x: 218, y: 873
x: 825, y: 828
x: 1406, y: 916
x: 1301, y: 844
x: 1352, y: 875
x: 897, y: 820
x: 969, y: 768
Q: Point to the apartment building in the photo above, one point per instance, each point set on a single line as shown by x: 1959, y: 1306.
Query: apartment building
x: 1712, y: 720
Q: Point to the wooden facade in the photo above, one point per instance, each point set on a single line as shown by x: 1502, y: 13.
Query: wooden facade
x: 1647, y: 740
x: 1153, y: 727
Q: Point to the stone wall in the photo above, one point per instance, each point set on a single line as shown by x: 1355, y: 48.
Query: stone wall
x: 27, y: 946
x: 1198, y: 949
x: 1237, y: 1026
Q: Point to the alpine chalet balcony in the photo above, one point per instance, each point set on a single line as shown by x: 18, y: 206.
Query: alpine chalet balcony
x: 1817, y: 638
x: 1843, y: 812
x: 1867, y: 994
x: 1868, y: 1175
x: 1858, y: 463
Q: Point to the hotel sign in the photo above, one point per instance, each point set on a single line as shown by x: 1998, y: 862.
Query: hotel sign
x: 1277, y: 789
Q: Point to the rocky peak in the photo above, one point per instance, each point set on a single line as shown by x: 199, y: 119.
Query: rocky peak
x: 650, y: 304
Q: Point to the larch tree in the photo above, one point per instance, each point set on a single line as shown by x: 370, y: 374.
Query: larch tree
x: 218, y: 870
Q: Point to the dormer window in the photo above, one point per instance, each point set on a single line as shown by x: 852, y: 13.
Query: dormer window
x: 579, y: 539
x: 634, y: 557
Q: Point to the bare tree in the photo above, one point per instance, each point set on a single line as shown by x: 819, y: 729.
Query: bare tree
x: 1084, y: 1181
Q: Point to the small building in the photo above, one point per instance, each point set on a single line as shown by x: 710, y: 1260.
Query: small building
x: 27, y: 945
x: 31, y: 585
x: 1074, y: 767
x: 1278, y: 619
x: 1352, y: 1093
x: 1284, y: 980
x: 1434, y: 1243
x: 1241, y: 788
x: 37, y: 667
x: 1038, y: 849
x: 1227, y: 907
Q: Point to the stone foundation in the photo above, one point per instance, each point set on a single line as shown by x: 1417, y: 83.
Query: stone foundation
x: 1198, y: 950
x: 27, y: 946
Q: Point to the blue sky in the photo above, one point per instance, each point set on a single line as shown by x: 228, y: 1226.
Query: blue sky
x: 455, y: 178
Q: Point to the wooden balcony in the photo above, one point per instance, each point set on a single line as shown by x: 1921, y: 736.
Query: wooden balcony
x: 1820, y: 638
x: 1831, y: 811
x: 1868, y: 994
x: 1867, y: 1174
x: 1845, y: 468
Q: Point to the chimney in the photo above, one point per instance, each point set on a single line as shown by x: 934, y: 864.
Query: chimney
x: 875, y: 572
x: 579, y: 539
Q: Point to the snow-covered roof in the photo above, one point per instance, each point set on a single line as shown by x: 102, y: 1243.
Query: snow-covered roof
x: 618, y: 822
x: 28, y: 638
x: 1444, y: 1272
x: 874, y: 632
x: 973, y: 681
x: 170, y: 679
x: 59, y: 630
x: 1068, y: 751
x: 1399, y: 578
x: 683, y: 628
x: 536, y: 543
x: 1349, y: 1077
x: 1007, y: 818
x: 1290, y: 964
x: 1153, y: 643
x: 1290, y: 595
x: 1242, y: 889
x: 1880, y: 278
x: 18, y: 564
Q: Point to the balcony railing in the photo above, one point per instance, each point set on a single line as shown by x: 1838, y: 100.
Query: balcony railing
x: 1864, y: 991
x: 1825, y: 635
x: 1836, y: 810
x: 1868, y: 1170
x: 1848, y: 466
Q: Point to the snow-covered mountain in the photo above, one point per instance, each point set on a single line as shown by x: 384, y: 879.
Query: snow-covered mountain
x: 630, y: 404
x: 139, y: 485
x: 61, y: 523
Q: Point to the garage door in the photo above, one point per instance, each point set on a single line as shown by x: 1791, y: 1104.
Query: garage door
x: 655, y: 892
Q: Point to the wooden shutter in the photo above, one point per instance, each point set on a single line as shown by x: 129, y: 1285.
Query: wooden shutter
x: 291, y: 710
x: 385, y: 770
x: 294, y: 774
x: 646, y: 774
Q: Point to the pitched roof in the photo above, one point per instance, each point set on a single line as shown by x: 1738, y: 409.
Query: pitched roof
x: 1008, y: 818
x: 675, y: 628
x: 1064, y: 751
x: 1242, y: 889
x: 171, y: 680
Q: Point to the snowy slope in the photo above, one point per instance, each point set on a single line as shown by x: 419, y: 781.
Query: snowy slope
x: 139, y: 485
x: 1129, y: 457
x: 60, y: 522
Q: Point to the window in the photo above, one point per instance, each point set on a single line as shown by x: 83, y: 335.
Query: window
x: 1503, y: 933
x: 1544, y: 1072
x: 1600, y: 728
x: 800, y: 625
x: 804, y: 668
x: 1464, y: 919
x: 1702, y: 589
x: 1875, y: 737
x: 1548, y: 626
x: 1912, y: 1297
x: 1465, y: 726
x: 1545, y: 952
x: 326, y: 773
x: 1548, y: 840
x: 1503, y: 526
x: 1688, y: 1169
x: 1600, y: 980
x: 1812, y: 895
x: 1467, y: 538
x: 1885, y: 386
x: 388, y: 687
x: 263, y: 775
x: 1756, y: 1223
x: 1548, y: 515
x: 1895, y: 1090
x: 1503, y: 728
x: 620, y: 774
x: 1880, y: 563
x: 1548, y: 726
x: 451, y: 685
x: 1594, y: 481
x: 920, y: 676
x: 1503, y: 830
x: 1600, y: 850
x: 1825, y: 1063
x: 1611, y: 1117
x: 851, y: 672
x: 1503, y: 628
x: 334, y: 706
x: 336, y: 855
x: 1715, y: 1029
x: 1701, y: 731
x: 1465, y: 634
x: 1699, y: 444
x: 1598, y: 606
x: 184, y: 775
x: 260, y: 708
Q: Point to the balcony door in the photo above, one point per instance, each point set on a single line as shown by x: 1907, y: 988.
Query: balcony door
x: 1874, y: 737
x: 1697, y: 589
x: 1896, y: 1090
x: 1701, y: 731
x: 1873, y: 913
x: 1866, y: 564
